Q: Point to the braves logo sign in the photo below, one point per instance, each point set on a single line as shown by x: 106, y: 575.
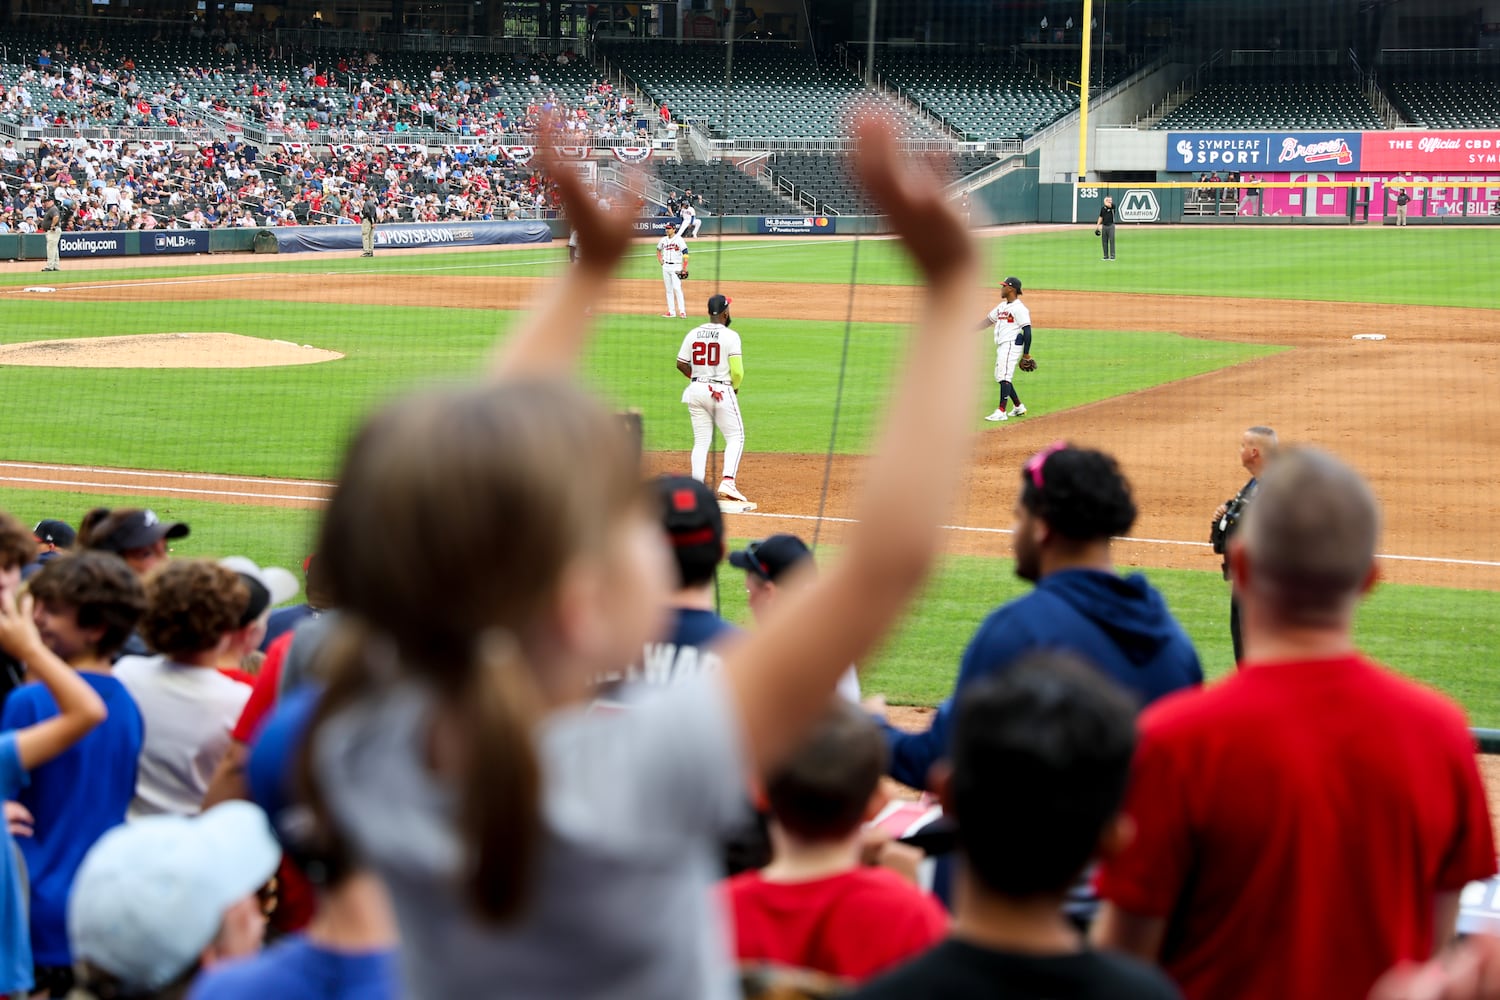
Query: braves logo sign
x: 1328, y: 151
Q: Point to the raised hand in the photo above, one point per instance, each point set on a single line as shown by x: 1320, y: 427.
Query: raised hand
x: 603, y: 234
x: 18, y: 634
x: 910, y: 191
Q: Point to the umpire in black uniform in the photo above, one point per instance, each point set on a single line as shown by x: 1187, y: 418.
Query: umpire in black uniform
x: 1257, y: 447
x: 1105, y: 228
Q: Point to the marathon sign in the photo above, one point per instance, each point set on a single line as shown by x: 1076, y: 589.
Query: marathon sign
x: 300, y: 239
x: 1239, y: 151
x: 782, y: 225
x: 1427, y: 151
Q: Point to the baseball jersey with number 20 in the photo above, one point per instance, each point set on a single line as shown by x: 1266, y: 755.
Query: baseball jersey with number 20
x: 708, y: 349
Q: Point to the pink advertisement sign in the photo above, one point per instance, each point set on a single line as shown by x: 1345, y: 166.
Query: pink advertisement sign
x: 1475, y: 194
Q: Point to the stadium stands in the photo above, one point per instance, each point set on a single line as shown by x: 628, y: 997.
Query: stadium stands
x: 725, y: 190
x: 1458, y: 102
x: 1260, y: 99
x: 979, y: 98
x: 779, y: 92
x: 827, y: 180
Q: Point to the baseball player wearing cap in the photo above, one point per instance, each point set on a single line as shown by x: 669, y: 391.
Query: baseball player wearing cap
x: 52, y: 227
x: 672, y: 254
x: 710, y: 360
x: 1012, y: 321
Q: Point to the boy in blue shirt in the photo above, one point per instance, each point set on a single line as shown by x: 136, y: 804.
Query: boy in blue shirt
x: 86, y: 605
x: 78, y: 710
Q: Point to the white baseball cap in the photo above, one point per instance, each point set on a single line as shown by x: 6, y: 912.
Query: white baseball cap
x: 151, y: 894
x: 280, y: 583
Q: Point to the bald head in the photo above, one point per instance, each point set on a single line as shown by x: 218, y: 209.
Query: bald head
x: 1310, y: 537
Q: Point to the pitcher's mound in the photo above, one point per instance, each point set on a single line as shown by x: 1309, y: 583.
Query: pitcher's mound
x: 163, y: 350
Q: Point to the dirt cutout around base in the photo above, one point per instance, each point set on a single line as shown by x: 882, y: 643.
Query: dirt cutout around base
x: 163, y: 350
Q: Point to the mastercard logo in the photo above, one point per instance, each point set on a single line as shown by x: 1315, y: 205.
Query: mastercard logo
x: 821, y: 222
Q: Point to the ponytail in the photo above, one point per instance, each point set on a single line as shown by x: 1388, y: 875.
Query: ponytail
x: 500, y: 821
x: 496, y: 705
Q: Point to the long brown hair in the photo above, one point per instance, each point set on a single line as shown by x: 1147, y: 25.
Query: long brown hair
x: 445, y: 543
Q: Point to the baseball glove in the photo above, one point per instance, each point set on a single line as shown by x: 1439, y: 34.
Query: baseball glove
x: 1027, y: 364
x: 1098, y: 231
x: 682, y: 275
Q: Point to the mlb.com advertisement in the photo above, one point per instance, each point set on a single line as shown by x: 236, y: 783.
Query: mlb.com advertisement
x: 1204, y: 152
x: 782, y: 225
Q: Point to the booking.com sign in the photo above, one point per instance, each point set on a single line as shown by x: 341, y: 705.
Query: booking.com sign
x: 1139, y: 205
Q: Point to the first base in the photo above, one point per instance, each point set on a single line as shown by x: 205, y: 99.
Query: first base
x: 735, y: 507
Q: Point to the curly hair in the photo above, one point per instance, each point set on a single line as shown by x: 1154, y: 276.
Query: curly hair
x: 17, y: 545
x: 101, y: 587
x: 1082, y: 495
x: 190, y: 604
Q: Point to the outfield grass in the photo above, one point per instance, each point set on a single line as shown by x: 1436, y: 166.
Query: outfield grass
x: 292, y: 421
x: 1445, y: 638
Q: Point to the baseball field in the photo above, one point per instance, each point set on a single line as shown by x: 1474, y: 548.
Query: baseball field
x: 1161, y: 357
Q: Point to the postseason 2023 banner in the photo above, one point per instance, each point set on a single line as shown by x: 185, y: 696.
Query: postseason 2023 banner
x: 394, y: 236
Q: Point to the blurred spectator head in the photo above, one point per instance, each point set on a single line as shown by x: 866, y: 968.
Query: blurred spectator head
x: 1070, y: 497
x: 268, y: 587
x: 766, y: 564
x: 823, y: 792
x: 54, y: 535
x: 695, y: 528
x: 137, y: 536
x: 193, y: 607
x: 1040, y: 759
x: 550, y: 569
x: 1305, y: 554
x: 87, y: 604
x: 17, y: 548
x: 160, y: 898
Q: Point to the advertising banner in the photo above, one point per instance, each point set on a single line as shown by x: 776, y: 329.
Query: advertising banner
x: 1467, y: 194
x: 91, y: 244
x: 1238, y: 151
x: 174, y: 241
x: 297, y: 239
x: 656, y: 226
x: 1414, y: 150
x: 784, y: 225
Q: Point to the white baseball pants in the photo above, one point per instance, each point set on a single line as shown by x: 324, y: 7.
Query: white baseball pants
x: 690, y: 231
x: 1006, y: 356
x: 675, y: 303
x: 710, y: 405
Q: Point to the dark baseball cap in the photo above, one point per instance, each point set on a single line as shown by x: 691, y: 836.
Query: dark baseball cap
x: 1014, y: 283
x: 140, y: 529
x: 690, y: 512
x: 719, y: 304
x: 59, y: 533
x: 771, y: 558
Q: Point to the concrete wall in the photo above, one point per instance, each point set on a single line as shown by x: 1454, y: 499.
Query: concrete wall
x: 1128, y: 149
x: 1059, y: 153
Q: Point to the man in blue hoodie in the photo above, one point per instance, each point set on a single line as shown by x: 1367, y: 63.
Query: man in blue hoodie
x: 1073, y: 501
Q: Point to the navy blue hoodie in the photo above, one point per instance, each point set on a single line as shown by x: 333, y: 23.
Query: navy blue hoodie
x: 1121, y: 625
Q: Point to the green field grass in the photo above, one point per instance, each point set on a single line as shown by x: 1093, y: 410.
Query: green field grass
x: 291, y: 421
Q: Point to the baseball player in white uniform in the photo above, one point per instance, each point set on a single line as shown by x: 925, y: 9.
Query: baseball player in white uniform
x: 690, y: 221
x: 672, y: 254
x: 710, y: 360
x: 1012, y: 321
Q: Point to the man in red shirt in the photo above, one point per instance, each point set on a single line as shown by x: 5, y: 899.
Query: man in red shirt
x: 1309, y: 822
x: 816, y: 906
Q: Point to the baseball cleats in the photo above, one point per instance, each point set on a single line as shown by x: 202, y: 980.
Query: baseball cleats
x: 1019, y: 411
x: 668, y: 315
x: 727, y: 490
x: 997, y: 415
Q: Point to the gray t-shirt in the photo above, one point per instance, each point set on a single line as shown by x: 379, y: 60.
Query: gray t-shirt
x: 636, y: 804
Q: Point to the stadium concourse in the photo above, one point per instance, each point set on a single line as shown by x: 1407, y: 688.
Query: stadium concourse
x: 494, y: 719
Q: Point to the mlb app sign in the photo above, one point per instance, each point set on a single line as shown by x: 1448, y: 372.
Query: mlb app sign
x: 1251, y: 151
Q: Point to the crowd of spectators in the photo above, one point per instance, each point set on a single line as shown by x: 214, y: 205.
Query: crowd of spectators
x: 120, y: 185
x: 416, y: 789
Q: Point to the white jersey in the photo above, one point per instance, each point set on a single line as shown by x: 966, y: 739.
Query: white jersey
x: 1009, y: 319
x: 708, y: 349
x: 672, y: 249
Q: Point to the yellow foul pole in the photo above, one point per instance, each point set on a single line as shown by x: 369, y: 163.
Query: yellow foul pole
x: 1083, y: 102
